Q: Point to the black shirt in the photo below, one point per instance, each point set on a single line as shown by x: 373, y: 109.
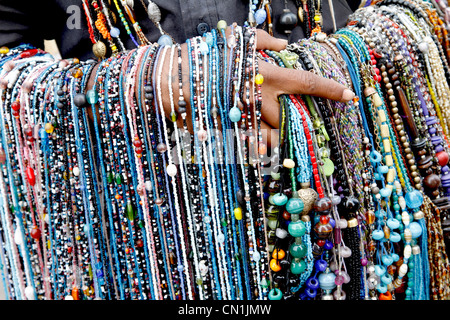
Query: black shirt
x: 31, y: 21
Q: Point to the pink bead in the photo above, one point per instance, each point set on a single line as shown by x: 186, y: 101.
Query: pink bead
x: 364, y: 262
x: 339, y: 280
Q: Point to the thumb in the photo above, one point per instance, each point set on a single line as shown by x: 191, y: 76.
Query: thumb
x: 265, y: 41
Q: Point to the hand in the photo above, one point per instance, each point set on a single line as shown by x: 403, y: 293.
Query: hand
x: 278, y: 81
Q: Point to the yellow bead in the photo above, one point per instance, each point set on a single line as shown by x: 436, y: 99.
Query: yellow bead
x: 275, y: 265
x: 278, y: 254
x: 222, y: 24
x: 48, y: 127
x: 259, y: 79
x: 238, y: 213
x: 4, y: 50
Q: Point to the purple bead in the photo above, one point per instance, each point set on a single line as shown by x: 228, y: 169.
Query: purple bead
x: 444, y: 169
x: 432, y: 130
x: 311, y: 293
x: 438, y: 149
x: 436, y: 140
x: 431, y: 120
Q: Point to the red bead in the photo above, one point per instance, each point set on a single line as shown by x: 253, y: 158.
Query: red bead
x: 139, y: 243
x: 15, y: 106
x: 377, y: 71
x: 324, y: 219
x: 442, y: 158
x: 379, y: 79
x: 30, y: 176
x: 138, y: 150
x: 321, y: 242
x: 374, y: 62
x: 69, y: 249
x: 35, y: 233
x: 137, y: 143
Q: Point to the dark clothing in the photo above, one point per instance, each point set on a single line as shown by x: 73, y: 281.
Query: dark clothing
x: 31, y: 21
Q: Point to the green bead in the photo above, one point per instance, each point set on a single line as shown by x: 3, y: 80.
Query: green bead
x: 264, y: 283
x: 275, y: 294
x: 298, y: 267
x: 297, y: 228
x: 110, y: 177
x: 119, y: 179
x: 129, y: 211
x: 272, y: 223
x: 410, y: 265
x: 223, y: 222
x: 295, y: 205
x: 298, y: 250
x: 199, y: 281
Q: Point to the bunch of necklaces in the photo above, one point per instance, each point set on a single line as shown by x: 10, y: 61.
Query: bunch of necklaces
x: 119, y: 184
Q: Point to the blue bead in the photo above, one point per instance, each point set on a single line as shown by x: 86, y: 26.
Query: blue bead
x: 328, y: 244
x: 393, y: 223
x: 386, y: 278
x: 311, y: 293
x: 235, y: 114
x: 416, y: 229
x: 260, y: 16
x: 383, y: 169
x: 204, y: 49
x: 279, y: 199
x: 385, y: 192
x: 395, y: 257
x: 375, y: 156
x: 414, y: 199
x: 294, y: 206
x: 165, y: 40
x: 43, y: 134
x: 377, y: 235
x: 320, y: 265
x: 380, y: 270
x: 395, y: 237
x: 312, y: 283
x: 326, y: 281
x: 381, y: 288
x: 387, y: 260
x: 332, y: 222
x: 209, y: 39
x: 115, y: 32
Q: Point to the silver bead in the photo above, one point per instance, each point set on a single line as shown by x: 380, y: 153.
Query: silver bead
x: 153, y: 12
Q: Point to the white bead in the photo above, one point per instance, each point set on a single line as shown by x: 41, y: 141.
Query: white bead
x: 68, y: 297
x: 419, y: 215
x: 402, y: 202
x: 29, y: 293
x: 343, y: 223
x: 76, y: 171
x: 256, y: 256
x: 203, y: 268
x: 408, y: 235
x: 148, y: 185
x: 172, y: 170
x: 407, y: 251
x: 221, y: 238
x: 405, y: 218
x: 18, y: 237
x: 403, y: 270
x: 281, y: 233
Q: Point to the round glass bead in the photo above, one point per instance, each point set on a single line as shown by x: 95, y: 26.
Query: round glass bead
x: 297, y: 228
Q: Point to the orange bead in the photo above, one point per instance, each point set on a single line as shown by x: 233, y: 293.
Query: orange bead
x: 75, y: 293
x: 262, y: 148
x: 385, y: 296
x: 275, y: 265
x: 370, y: 216
x: 278, y: 254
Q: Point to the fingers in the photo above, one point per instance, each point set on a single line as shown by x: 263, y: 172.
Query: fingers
x: 270, y: 135
x: 291, y: 81
x: 265, y: 41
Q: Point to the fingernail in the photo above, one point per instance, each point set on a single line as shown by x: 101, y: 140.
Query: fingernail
x: 348, y: 95
x: 284, y: 41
